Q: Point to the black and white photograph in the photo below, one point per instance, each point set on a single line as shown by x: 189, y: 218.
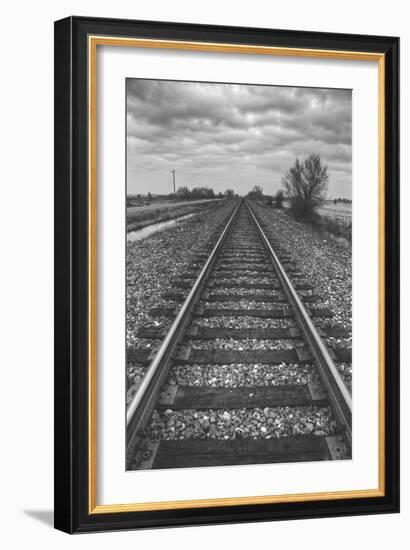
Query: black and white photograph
x: 226, y: 208
x: 238, y: 276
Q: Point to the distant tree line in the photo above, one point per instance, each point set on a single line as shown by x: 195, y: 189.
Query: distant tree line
x: 138, y: 200
x: 256, y: 193
x: 346, y: 201
x: 198, y: 193
x: 195, y: 193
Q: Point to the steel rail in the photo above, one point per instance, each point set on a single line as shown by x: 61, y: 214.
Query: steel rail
x: 143, y: 402
x: 339, y: 396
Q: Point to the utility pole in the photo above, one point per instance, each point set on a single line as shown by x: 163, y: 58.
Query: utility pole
x: 173, y: 177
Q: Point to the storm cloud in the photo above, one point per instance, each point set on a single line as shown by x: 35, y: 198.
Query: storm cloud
x: 233, y: 135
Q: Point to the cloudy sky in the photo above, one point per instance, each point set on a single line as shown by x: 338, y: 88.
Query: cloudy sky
x: 233, y: 135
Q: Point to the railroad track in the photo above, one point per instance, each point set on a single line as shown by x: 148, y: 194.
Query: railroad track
x: 242, y: 376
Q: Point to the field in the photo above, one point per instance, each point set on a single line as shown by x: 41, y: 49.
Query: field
x: 142, y: 216
x: 334, y: 220
x: 342, y: 211
x: 339, y: 210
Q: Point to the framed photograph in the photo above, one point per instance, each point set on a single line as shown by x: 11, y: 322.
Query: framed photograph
x: 226, y: 274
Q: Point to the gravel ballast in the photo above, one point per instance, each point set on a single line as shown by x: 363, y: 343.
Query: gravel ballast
x: 245, y: 423
x: 247, y: 344
x: 158, y: 261
x: 155, y: 263
x: 220, y: 291
x: 240, y: 279
x: 324, y: 263
x: 243, y: 374
x: 244, y: 304
x: 243, y: 322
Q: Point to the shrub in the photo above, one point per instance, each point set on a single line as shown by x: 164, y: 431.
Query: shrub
x: 278, y: 198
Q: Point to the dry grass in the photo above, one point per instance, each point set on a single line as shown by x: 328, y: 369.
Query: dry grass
x: 138, y: 220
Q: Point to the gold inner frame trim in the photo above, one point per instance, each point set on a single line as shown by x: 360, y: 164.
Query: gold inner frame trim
x: 93, y: 42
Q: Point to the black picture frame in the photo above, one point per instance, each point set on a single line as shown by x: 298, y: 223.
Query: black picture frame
x: 72, y: 513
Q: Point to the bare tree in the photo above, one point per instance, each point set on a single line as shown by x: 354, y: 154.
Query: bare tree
x: 306, y: 184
